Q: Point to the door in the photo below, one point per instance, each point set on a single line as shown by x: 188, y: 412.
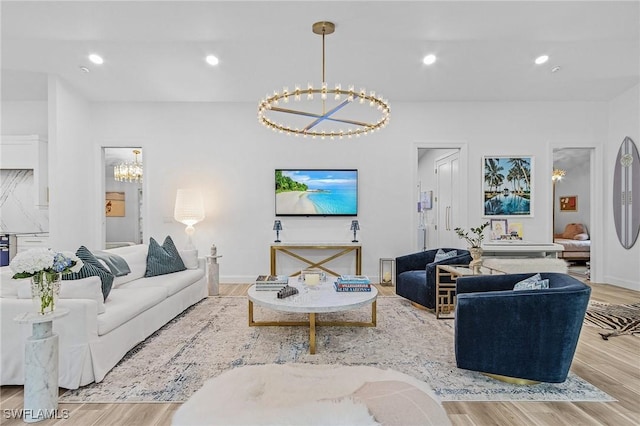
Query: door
x: 447, y: 199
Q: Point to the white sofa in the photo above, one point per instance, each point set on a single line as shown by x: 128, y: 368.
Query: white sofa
x: 95, y: 335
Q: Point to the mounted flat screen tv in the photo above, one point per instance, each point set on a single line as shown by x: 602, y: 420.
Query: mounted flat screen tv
x: 316, y: 192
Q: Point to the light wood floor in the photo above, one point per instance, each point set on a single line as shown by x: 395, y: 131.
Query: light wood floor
x: 613, y: 366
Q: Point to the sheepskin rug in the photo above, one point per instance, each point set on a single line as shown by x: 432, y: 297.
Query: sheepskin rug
x: 526, y: 264
x: 311, y: 395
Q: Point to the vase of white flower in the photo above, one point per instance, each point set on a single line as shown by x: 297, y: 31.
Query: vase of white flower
x: 45, y: 268
x: 45, y: 288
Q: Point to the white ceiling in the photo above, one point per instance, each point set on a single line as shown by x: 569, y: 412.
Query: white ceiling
x: 113, y: 156
x: 569, y: 158
x: 154, y: 51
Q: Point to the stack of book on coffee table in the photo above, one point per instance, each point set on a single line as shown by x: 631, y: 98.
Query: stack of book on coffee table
x: 353, y: 283
x: 271, y: 282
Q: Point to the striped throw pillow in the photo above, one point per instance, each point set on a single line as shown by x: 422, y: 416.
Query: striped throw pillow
x: 163, y: 259
x: 92, y: 267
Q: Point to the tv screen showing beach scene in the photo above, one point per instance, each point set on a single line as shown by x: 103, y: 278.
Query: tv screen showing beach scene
x: 303, y: 192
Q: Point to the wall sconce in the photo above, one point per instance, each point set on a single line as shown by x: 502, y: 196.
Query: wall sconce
x: 189, y: 209
x: 355, y: 226
x: 277, y: 226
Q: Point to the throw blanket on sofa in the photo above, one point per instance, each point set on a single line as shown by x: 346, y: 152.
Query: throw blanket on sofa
x: 117, y: 265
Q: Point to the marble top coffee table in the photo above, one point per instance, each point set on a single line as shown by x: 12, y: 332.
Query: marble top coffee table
x: 320, y: 299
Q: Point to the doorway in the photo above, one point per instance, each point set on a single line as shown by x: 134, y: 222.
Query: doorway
x: 438, y: 181
x: 123, y: 197
x: 572, y: 200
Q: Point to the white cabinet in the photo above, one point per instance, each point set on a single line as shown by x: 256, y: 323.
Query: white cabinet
x: 28, y: 152
x: 29, y: 241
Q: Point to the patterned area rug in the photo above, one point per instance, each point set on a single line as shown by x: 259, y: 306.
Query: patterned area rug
x: 619, y: 319
x: 214, y: 336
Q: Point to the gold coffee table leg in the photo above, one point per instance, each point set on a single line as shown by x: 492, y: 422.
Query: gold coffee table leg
x: 312, y: 333
x: 374, y: 315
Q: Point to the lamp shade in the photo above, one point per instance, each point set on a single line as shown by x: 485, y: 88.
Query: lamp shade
x: 355, y: 226
x: 277, y: 225
x: 189, y: 208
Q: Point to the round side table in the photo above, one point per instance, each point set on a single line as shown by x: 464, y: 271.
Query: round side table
x: 41, y: 366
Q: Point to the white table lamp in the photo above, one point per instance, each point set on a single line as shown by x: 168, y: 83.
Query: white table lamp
x: 189, y: 210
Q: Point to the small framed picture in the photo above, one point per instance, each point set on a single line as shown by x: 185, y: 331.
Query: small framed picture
x: 569, y: 203
x: 114, y: 204
x: 499, y: 228
x: 427, y: 200
x: 515, y: 230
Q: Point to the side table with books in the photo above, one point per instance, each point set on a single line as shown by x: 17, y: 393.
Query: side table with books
x: 446, y: 289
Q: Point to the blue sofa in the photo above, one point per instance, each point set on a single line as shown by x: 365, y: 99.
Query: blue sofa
x: 525, y: 334
x: 416, y: 274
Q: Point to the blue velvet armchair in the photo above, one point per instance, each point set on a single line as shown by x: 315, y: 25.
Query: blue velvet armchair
x: 416, y: 274
x: 524, y: 334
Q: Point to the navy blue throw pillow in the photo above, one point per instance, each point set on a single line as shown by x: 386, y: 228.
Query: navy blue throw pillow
x: 163, y: 259
x: 92, y: 268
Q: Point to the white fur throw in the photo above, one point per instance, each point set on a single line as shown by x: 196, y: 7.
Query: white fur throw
x: 305, y: 394
x: 526, y: 264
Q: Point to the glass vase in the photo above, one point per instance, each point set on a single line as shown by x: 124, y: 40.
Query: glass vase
x: 45, y: 288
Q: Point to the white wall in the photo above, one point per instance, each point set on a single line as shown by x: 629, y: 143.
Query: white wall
x: 621, y: 265
x: 220, y: 149
x: 71, y: 171
x: 25, y: 118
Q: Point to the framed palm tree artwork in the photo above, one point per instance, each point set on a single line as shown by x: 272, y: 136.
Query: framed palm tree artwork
x: 507, y: 186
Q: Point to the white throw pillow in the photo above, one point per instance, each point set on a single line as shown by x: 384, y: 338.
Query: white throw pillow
x: 442, y: 255
x: 189, y: 258
x: 84, y: 288
x: 8, y: 286
x: 534, y: 282
x: 136, y: 258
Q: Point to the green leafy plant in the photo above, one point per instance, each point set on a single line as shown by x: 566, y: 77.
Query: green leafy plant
x: 478, y: 232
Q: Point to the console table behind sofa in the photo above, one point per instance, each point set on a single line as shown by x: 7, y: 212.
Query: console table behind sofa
x: 339, y: 249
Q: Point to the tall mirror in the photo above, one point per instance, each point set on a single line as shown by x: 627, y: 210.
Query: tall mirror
x: 123, y: 198
x: 626, y: 193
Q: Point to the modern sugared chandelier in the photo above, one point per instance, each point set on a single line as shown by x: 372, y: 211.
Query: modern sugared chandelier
x: 557, y: 175
x: 129, y: 171
x: 324, y: 106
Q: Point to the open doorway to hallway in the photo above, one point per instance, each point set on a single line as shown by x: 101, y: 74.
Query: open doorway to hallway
x: 122, y: 217
x: 572, y: 198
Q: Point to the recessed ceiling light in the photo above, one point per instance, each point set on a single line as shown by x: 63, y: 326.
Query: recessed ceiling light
x: 96, y: 59
x: 555, y: 69
x: 429, y: 59
x: 212, y: 60
x: 541, y: 59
